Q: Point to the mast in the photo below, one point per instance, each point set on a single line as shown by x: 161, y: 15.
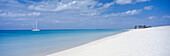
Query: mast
x: 35, y: 28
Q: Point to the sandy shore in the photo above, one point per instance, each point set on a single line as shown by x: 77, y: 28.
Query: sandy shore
x: 139, y: 42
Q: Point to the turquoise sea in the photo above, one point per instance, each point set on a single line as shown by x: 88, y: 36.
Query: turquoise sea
x: 41, y: 43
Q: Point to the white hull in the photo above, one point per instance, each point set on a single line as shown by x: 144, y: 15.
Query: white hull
x: 35, y: 29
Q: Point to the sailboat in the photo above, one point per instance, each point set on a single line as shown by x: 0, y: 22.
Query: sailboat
x: 35, y: 27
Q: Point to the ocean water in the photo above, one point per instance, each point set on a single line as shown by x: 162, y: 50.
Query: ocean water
x: 29, y: 43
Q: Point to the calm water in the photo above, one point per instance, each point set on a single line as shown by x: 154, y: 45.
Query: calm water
x: 29, y: 43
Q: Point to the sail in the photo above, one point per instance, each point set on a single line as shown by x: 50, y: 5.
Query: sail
x: 35, y: 27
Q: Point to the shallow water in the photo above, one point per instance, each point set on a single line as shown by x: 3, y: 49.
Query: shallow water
x: 29, y: 43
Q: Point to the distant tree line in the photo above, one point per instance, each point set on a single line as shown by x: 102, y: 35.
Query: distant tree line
x: 141, y: 26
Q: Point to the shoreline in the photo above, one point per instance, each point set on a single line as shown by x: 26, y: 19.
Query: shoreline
x: 90, y: 48
x: 91, y: 43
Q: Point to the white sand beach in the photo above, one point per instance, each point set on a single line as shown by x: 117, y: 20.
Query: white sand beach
x: 138, y: 42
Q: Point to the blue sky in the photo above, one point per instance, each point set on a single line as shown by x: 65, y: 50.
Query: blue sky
x: 83, y: 14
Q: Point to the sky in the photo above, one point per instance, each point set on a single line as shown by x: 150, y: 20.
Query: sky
x: 83, y: 14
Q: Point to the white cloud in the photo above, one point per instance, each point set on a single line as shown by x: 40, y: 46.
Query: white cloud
x: 19, y: 14
x: 83, y: 7
x: 9, y: 1
x: 107, y: 5
x: 45, y: 6
x: 142, y: 0
x: 59, y: 6
x: 132, y: 12
x: 123, y: 1
x: 129, y: 12
x: 57, y: 21
x: 90, y: 14
x: 163, y: 17
x: 148, y: 8
x: 33, y: 14
x: 20, y: 19
x: 151, y: 17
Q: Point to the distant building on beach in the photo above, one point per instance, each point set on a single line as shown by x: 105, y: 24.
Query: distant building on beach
x: 141, y: 26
